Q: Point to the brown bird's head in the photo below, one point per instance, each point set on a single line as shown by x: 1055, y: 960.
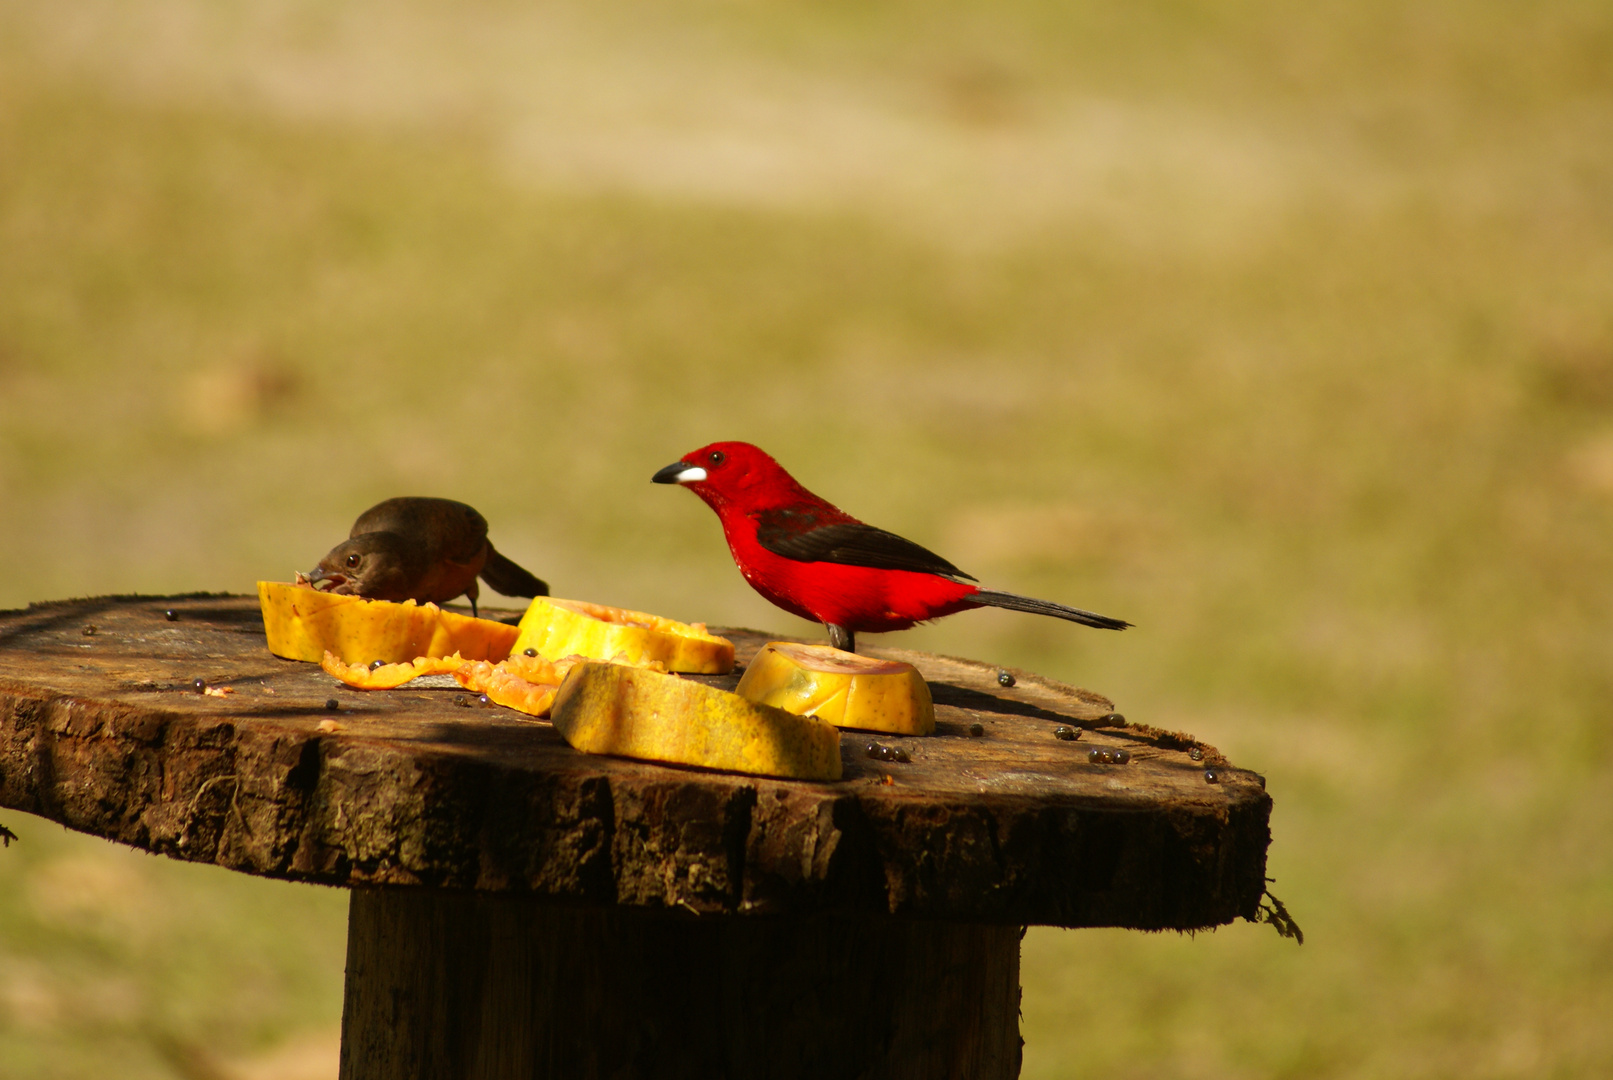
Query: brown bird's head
x: 377, y: 565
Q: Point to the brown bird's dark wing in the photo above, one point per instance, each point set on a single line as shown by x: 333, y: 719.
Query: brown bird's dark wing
x: 443, y: 528
x: 510, y: 578
x: 804, y: 535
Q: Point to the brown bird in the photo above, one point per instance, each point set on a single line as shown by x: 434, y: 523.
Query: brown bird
x: 426, y: 550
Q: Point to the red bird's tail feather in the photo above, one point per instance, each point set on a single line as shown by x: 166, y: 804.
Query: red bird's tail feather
x: 1015, y: 602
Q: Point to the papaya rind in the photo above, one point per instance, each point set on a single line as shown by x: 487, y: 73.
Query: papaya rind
x: 605, y: 708
x: 840, y: 688
x: 303, y: 624
x: 557, y: 629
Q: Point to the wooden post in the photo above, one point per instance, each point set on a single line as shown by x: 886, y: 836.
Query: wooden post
x: 472, y: 986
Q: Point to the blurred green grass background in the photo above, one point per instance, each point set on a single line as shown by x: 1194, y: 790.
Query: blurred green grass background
x: 1285, y: 332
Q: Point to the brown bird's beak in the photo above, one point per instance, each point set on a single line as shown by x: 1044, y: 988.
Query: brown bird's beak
x: 323, y: 580
x: 679, y: 472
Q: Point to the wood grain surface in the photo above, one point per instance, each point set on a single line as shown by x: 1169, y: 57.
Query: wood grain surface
x: 102, y: 730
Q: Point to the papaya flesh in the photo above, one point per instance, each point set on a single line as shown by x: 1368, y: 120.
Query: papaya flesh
x: 841, y: 688
x: 531, y: 693
x: 605, y: 708
x: 389, y: 676
x: 557, y: 629
x: 524, y: 683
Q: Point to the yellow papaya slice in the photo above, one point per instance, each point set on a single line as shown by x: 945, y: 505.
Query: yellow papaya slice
x: 303, y: 624
x: 842, y: 688
x: 632, y: 712
x: 389, y: 676
x: 560, y: 628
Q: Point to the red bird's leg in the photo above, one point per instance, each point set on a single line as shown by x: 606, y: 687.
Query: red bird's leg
x: 841, y: 638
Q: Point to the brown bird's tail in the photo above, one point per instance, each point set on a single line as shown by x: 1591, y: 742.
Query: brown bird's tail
x: 508, y: 578
x: 1015, y: 602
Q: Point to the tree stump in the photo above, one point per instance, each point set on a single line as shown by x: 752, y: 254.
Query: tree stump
x: 520, y: 909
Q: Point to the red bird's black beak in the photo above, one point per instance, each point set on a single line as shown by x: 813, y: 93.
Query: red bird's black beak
x: 679, y: 472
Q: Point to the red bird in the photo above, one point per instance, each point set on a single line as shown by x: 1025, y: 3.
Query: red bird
x: 817, y: 561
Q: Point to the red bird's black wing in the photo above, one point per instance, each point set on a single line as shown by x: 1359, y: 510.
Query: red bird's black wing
x: 802, y: 535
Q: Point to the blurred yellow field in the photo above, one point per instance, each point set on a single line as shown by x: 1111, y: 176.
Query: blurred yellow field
x: 1284, y: 333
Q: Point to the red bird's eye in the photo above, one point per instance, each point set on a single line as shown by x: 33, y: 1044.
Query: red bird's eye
x: 352, y: 561
x: 715, y: 457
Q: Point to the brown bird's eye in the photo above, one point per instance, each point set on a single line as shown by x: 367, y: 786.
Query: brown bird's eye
x: 352, y: 561
x: 716, y: 458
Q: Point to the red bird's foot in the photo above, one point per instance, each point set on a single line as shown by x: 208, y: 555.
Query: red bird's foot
x: 841, y: 638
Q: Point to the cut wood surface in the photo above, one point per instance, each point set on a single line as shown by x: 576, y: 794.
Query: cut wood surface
x: 101, y: 729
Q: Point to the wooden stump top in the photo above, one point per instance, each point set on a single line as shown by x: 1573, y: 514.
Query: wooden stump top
x: 101, y: 729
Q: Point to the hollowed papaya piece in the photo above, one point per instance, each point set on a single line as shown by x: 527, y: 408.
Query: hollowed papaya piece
x: 632, y: 712
x: 842, y: 688
x: 303, y: 624
x: 560, y: 628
